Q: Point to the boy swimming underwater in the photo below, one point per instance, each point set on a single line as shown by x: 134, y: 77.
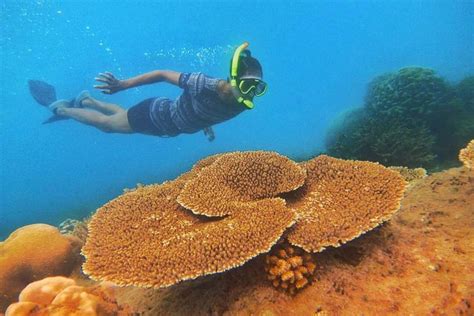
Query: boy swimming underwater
x: 205, y: 101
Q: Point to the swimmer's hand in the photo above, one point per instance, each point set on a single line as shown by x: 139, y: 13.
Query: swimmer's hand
x: 112, y: 85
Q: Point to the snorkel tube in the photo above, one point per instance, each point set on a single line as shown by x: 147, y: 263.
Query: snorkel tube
x: 233, y: 75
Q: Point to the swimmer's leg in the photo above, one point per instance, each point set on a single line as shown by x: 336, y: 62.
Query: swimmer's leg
x: 113, y: 123
x: 103, y: 107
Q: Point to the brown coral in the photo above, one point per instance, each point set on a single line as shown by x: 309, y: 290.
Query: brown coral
x: 289, y: 268
x: 410, y: 175
x: 466, y: 155
x: 342, y: 200
x: 240, y: 177
x: 31, y: 253
x: 145, y: 238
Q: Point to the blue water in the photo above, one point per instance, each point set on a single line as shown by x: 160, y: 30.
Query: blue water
x: 318, y: 57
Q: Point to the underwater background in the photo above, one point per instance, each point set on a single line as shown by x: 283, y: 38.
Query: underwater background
x: 318, y: 59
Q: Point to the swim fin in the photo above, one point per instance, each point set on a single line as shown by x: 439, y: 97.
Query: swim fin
x: 42, y: 92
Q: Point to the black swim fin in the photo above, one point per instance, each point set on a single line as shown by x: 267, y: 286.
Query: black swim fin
x: 42, y: 92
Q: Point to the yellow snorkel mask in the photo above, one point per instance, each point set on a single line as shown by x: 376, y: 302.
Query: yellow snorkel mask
x: 246, y: 84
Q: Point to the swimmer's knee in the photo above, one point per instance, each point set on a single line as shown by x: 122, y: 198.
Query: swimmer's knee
x: 105, y: 124
x: 115, y: 124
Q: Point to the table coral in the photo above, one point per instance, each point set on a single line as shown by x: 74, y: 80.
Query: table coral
x: 240, y: 177
x: 341, y: 200
x: 421, y: 262
x: 145, y: 238
x: 31, y: 253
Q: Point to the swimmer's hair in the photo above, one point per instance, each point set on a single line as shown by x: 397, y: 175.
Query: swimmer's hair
x: 249, y: 67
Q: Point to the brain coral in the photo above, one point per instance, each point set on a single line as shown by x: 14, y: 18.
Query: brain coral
x: 31, y: 253
x: 240, y: 177
x: 58, y: 296
x: 145, y: 238
x: 414, y: 90
x: 466, y: 155
x: 341, y: 200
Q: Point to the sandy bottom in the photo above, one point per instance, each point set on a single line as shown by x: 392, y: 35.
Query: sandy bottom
x: 419, y: 263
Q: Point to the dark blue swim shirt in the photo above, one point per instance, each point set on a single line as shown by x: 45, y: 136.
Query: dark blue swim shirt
x: 198, y: 107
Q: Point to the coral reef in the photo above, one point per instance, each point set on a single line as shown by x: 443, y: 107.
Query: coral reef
x: 57, y: 296
x: 31, y: 253
x: 330, y: 202
x: 421, y: 262
x: 289, y: 268
x: 390, y: 140
x: 465, y: 91
x: 410, y: 175
x: 410, y: 118
x: 240, y: 177
x: 74, y: 227
x: 412, y: 91
x: 466, y: 155
x: 146, y: 238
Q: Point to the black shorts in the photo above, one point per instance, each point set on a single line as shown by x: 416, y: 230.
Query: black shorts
x: 140, y: 120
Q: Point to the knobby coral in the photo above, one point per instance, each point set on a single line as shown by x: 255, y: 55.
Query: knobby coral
x: 466, y: 155
x: 228, y: 209
x: 289, y: 268
x: 341, y: 200
x: 58, y: 296
x: 31, y: 253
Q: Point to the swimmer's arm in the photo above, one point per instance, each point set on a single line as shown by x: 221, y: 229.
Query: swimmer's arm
x: 112, y: 85
x: 153, y: 77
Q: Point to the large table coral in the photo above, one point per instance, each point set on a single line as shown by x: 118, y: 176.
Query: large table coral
x: 341, y: 200
x: 421, y: 262
x: 233, y: 209
x: 146, y: 238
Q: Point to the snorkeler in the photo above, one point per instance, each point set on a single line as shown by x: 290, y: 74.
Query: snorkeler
x: 204, y: 102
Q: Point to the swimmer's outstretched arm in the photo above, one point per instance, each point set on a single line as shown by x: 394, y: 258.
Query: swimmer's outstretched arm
x: 113, y: 85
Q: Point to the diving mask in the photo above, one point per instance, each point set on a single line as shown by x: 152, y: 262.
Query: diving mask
x: 258, y: 86
x: 245, y: 85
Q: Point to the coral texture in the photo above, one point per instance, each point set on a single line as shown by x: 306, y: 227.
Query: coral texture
x: 421, y: 262
x: 410, y: 118
x: 466, y: 155
x: 145, y: 238
x: 240, y: 177
x: 408, y: 174
x: 289, y: 268
x: 76, y: 228
x: 58, y: 296
x: 44, y: 291
x: 413, y: 91
x: 31, y: 253
x: 388, y: 139
x: 341, y: 200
